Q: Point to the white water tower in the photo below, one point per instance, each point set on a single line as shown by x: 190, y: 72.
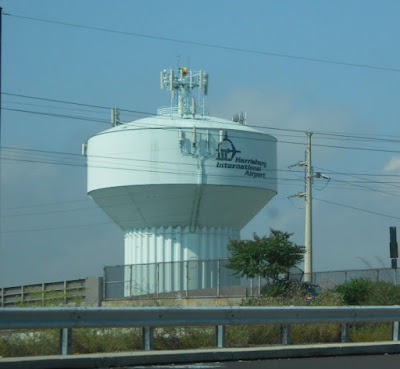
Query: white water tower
x: 180, y: 184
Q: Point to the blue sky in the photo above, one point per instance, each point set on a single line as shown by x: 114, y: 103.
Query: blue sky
x: 50, y: 230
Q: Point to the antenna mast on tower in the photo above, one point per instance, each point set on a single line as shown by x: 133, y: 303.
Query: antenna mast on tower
x: 181, y: 83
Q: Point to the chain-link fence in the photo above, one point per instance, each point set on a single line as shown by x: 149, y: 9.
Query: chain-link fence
x: 330, y: 279
x: 184, y: 279
x: 209, y: 278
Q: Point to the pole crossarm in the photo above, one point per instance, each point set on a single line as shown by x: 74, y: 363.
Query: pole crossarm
x: 300, y: 194
x: 53, y: 318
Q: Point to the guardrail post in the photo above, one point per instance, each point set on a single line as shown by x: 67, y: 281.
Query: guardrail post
x: 395, y: 331
x: 285, y: 334
x: 187, y: 279
x: 130, y: 280
x: 148, y: 338
x: 344, y: 332
x: 43, y: 293
x: 65, y: 341
x: 158, y: 279
x: 104, y: 283
x: 65, y: 293
x: 218, y: 278
x: 22, y: 294
x: 220, y: 336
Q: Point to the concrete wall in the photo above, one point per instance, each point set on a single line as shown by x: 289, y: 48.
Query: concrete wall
x: 186, y: 302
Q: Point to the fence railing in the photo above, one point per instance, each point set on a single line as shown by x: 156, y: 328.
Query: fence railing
x: 209, y: 278
x: 149, y: 318
x: 86, y: 292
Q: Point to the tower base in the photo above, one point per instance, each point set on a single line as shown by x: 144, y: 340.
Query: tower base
x: 168, y: 259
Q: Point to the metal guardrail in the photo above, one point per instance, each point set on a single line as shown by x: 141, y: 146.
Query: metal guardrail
x: 148, y: 318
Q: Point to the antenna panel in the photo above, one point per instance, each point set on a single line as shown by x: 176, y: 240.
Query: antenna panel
x: 162, y: 80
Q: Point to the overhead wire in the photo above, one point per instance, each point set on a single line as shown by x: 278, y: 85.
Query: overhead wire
x: 73, y: 103
x: 209, y: 45
x: 326, y: 135
x: 124, y: 163
x: 136, y: 126
x: 338, y: 136
x: 356, y: 208
x: 365, y: 181
x: 24, y: 230
x: 56, y: 203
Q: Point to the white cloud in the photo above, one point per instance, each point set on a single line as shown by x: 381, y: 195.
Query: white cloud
x: 394, y: 164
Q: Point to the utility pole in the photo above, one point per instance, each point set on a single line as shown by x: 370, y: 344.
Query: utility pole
x: 308, y: 260
x: 1, y: 26
x: 308, y: 267
x: 308, y: 222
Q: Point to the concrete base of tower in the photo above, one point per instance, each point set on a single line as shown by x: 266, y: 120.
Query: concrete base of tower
x: 168, y: 259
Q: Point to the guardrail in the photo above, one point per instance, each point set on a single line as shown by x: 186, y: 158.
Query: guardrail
x: 66, y: 319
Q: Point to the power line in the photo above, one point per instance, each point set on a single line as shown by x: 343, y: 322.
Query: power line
x: 45, y: 204
x: 209, y: 45
x: 190, y: 165
x: 355, y: 208
x: 49, y: 106
x: 102, y: 121
x: 47, y: 212
x: 72, y: 103
x: 322, y: 133
x: 328, y: 135
x: 135, y: 169
x: 358, y: 174
x: 102, y: 161
x: 368, y: 188
x: 119, y: 158
x: 58, y: 228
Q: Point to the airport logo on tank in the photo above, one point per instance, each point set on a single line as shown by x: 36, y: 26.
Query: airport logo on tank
x: 227, y: 158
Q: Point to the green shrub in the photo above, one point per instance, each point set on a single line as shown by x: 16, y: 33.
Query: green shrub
x: 356, y: 292
x: 361, y: 291
x: 385, y: 293
x: 296, y: 297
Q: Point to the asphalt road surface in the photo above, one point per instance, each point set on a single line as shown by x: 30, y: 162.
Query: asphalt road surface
x: 340, y: 362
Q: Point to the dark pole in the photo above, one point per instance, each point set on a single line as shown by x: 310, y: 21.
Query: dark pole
x: 1, y: 17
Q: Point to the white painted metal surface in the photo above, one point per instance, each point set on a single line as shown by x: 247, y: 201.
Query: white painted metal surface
x: 169, y: 244
x: 170, y: 181
x: 143, y: 177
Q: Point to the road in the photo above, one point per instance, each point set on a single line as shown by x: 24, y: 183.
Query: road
x: 339, y: 362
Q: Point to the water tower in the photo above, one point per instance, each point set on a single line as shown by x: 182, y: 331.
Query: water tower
x: 180, y: 184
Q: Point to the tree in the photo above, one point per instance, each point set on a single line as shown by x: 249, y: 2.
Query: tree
x: 270, y: 257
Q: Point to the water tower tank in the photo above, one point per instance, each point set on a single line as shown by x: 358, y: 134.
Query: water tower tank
x: 182, y: 183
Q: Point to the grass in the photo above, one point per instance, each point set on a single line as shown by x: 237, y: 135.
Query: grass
x: 46, y: 342
x: 371, y: 332
x: 29, y: 343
